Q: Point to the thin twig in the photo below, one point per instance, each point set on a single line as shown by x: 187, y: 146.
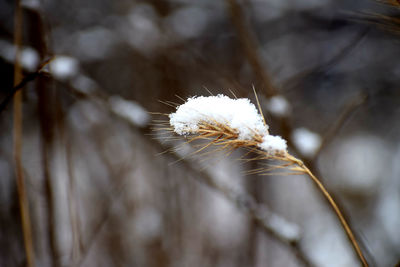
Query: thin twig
x: 338, y: 57
x: 21, y: 84
x: 347, y: 111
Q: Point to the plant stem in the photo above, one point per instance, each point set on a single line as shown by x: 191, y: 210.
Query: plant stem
x: 335, y: 207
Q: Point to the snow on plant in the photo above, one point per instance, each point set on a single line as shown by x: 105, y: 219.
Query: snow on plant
x: 236, y: 120
x: 236, y: 123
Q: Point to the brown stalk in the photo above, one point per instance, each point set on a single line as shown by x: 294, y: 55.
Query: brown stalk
x: 331, y: 201
x: 224, y: 135
x: 17, y: 136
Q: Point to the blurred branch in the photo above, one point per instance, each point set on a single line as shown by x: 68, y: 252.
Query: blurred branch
x: 342, y: 54
x: 73, y: 205
x: 335, y: 127
x: 271, y: 223
x: 115, y: 193
x: 17, y: 136
x: 250, y: 46
x: 102, y: 223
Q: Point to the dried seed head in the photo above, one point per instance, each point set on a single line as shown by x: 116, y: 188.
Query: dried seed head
x: 225, y: 119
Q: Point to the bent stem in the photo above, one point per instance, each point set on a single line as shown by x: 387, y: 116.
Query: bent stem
x: 213, y: 126
x: 303, y: 168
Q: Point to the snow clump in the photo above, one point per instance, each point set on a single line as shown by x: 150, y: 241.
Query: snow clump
x: 238, y: 114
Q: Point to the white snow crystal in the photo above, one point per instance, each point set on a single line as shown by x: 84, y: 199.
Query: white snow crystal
x: 29, y: 58
x: 129, y: 110
x: 306, y: 141
x: 279, y: 106
x: 238, y: 114
x: 275, y: 143
x: 64, y: 67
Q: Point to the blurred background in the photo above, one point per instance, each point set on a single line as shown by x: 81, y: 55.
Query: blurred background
x: 91, y: 186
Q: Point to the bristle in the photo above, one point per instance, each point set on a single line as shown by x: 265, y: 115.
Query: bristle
x: 180, y: 98
x: 259, y: 105
x: 168, y: 104
x: 208, y: 91
x: 233, y: 94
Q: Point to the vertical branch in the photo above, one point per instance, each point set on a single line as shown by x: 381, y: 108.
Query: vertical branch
x: 17, y: 136
x: 45, y: 107
x: 250, y: 47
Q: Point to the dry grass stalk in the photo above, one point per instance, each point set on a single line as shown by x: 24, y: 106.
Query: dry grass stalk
x: 224, y: 137
x: 17, y: 149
